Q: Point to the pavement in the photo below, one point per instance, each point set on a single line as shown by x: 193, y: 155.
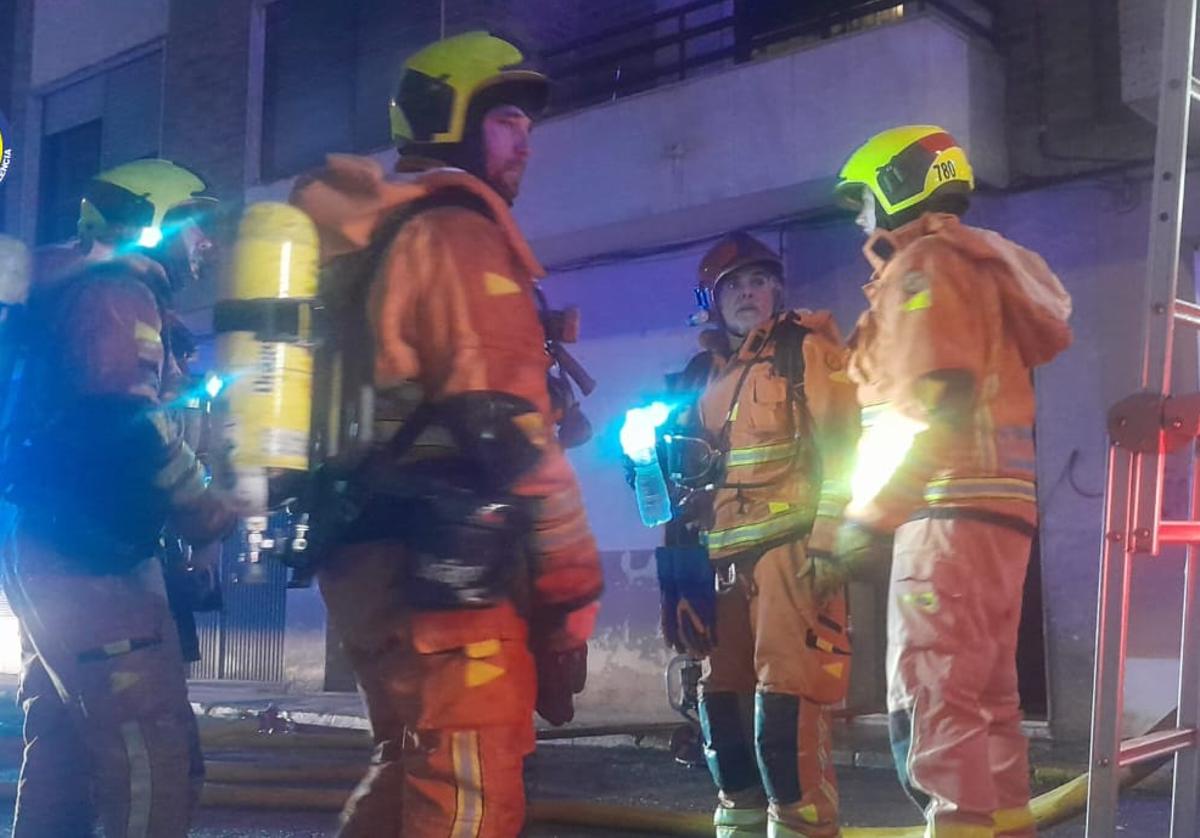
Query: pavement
x: 241, y: 699
x: 606, y: 761
x: 858, y: 743
x: 323, y: 735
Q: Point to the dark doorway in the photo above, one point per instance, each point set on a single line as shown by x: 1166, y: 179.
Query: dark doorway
x: 1031, y: 641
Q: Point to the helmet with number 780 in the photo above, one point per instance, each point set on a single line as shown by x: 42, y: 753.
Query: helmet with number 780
x: 905, y: 167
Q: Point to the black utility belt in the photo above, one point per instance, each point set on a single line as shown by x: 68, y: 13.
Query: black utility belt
x: 983, y: 516
x: 459, y: 551
x: 752, y: 554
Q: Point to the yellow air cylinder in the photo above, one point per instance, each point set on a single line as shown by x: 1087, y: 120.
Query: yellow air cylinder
x: 264, y: 346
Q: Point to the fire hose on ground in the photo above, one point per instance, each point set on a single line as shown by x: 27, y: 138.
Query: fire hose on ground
x: 325, y: 787
x: 1053, y: 807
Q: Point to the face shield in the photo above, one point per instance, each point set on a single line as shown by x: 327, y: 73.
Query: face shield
x: 186, y: 243
x: 866, y: 218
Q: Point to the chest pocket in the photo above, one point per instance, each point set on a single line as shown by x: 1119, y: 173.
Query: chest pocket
x: 767, y: 407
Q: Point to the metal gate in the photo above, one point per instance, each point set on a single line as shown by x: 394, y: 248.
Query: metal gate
x: 244, y: 641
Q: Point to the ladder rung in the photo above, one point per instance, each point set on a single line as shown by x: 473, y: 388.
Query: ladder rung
x: 1152, y: 745
x: 1179, y: 532
x: 1195, y: 88
x: 1188, y: 312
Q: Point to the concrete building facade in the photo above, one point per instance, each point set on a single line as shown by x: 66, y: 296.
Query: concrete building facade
x: 678, y: 142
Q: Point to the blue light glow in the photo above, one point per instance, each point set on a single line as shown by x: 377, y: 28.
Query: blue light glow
x: 639, y: 432
x: 150, y: 237
x: 213, y: 385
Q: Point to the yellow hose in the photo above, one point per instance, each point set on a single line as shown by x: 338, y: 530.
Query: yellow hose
x: 333, y: 773
x: 1055, y: 806
x: 229, y: 735
x: 225, y: 734
x: 221, y: 796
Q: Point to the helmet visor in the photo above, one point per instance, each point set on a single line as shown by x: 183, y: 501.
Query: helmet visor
x: 119, y: 206
x: 427, y: 104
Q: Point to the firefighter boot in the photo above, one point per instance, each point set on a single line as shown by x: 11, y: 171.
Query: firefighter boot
x: 793, y: 741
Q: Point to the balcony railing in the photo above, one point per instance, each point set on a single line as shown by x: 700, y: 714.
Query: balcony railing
x: 674, y: 44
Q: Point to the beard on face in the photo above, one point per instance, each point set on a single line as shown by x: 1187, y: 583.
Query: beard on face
x: 507, y: 179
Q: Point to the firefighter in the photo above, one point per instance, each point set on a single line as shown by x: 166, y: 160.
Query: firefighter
x: 958, y: 318
x: 777, y: 415
x: 457, y: 624
x: 178, y: 236
x: 95, y: 468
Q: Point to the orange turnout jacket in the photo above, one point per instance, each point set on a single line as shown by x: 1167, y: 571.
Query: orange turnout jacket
x: 453, y: 308
x: 946, y: 297
x: 789, y: 458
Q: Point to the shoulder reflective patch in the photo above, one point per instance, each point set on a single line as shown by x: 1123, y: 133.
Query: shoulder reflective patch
x: 915, y: 285
x: 919, y: 301
x: 498, y: 285
x: 143, y: 331
x: 777, y: 507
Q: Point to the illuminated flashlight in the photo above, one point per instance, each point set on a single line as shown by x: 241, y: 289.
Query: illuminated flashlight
x: 213, y: 385
x: 639, y: 433
x: 150, y: 237
x: 887, y: 437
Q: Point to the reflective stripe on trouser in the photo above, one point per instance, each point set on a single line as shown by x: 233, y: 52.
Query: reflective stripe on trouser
x: 449, y: 695
x: 953, y: 612
x: 103, y: 678
x: 757, y: 657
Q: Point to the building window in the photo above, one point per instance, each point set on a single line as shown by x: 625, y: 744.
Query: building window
x: 69, y: 159
x: 330, y: 68
x: 104, y: 120
x: 765, y: 27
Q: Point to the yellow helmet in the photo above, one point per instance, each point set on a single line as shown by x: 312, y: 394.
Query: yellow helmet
x: 133, y: 199
x: 441, y: 80
x: 904, y: 166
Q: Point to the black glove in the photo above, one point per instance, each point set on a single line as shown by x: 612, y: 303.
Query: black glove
x: 561, y: 676
x: 687, y: 599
